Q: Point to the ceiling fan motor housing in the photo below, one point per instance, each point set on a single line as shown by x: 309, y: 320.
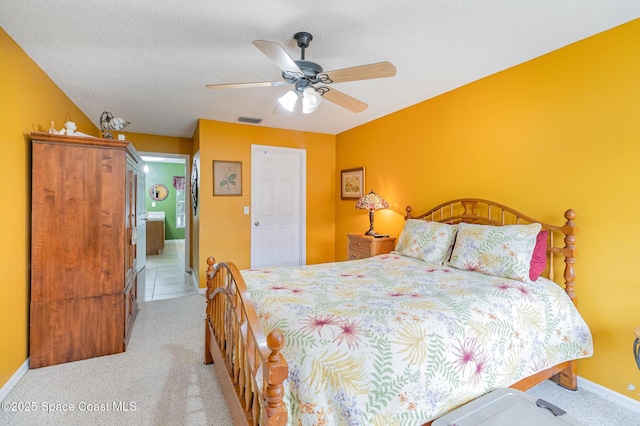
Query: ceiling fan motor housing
x: 310, y: 71
x: 303, y: 38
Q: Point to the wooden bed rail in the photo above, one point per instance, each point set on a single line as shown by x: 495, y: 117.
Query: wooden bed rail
x: 484, y: 212
x: 241, y: 352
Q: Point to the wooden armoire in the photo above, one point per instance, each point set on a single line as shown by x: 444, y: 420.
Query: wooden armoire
x: 83, y: 247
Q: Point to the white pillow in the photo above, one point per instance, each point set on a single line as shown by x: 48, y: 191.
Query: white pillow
x: 426, y: 240
x: 502, y: 251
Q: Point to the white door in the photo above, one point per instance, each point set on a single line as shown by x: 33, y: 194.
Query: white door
x: 141, y: 221
x: 278, y: 200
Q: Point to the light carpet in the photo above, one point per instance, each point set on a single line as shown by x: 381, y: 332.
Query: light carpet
x: 161, y: 380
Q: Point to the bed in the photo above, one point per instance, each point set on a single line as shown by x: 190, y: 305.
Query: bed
x: 457, y: 310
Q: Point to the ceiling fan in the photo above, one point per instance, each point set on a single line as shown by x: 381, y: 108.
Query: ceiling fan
x: 304, y: 75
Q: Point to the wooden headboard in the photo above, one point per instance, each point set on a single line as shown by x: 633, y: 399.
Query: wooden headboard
x: 484, y: 212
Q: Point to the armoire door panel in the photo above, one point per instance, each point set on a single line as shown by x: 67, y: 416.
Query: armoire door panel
x: 80, y: 247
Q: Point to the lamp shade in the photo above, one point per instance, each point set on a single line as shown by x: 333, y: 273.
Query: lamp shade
x: 371, y: 201
x: 288, y: 100
x: 310, y: 100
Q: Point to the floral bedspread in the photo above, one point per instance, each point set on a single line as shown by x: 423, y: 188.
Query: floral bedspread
x: 392, y: 340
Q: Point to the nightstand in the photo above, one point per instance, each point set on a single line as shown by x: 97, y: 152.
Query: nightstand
x: 362, y: 246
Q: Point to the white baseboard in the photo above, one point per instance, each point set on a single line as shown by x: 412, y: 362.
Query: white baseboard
x: 14, y: 380
x: 610, y: 395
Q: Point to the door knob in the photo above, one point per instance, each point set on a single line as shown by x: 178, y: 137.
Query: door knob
x: 257, y: 224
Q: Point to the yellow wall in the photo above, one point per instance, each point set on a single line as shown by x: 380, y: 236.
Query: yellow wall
x: 30, y: 101
x: 161, y: 144
x: 557, y: 132
x: 195, y: 215
x: 561, y: 131
x: 225, y: 232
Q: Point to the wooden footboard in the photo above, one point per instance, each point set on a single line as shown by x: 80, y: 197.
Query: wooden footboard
x: 250, y: 367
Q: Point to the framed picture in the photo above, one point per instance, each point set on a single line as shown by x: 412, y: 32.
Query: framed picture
x: 352, y: 183
x: 227, y: 177
x: 158, y: 192
x: 194, y: 187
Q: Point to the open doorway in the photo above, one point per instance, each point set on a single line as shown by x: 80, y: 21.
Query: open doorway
x: 167, y: 268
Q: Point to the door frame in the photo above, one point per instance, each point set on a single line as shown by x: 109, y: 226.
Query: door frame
x: 302, y: 156
x: 187, y: 199
x: 141, y: 244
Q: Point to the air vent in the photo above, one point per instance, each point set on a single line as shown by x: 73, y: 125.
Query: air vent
x: 251, y: 120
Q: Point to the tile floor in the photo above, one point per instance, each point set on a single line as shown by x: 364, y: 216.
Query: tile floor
x: 164, y: 277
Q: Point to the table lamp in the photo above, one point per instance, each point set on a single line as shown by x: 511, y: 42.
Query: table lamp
x: 371, y: 202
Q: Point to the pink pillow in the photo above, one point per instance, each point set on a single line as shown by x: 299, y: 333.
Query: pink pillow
x: 539, y: 256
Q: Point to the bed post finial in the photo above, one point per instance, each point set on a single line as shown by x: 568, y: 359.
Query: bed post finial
x: 208, y: 358
x: 276, y: 372
x: 211, y: 261
x: 408, y: 215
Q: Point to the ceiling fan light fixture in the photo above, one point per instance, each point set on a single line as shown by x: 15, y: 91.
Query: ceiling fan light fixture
x: 303, y: 75
x: 288, y: 100
x: 306, y: 109
x: 310, y: 100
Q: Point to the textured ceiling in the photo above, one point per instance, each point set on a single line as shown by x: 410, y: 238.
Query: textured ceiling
x: 148, y: 61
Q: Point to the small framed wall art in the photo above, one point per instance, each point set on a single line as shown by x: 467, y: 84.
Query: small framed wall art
x: 352, y: 183
x: 227, y: 177
x: 194, y: 187
x: 158, y: 192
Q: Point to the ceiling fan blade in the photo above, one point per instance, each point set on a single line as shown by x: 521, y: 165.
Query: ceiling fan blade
x: 344, y: 100
x: 246, y: 85
x: 362, y: 72
x: 277, y: 54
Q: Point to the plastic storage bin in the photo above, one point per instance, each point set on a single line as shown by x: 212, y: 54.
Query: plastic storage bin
x: 507, y: 407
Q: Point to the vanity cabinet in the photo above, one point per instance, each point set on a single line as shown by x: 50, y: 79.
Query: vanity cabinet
x: 155, y: 236
x: 83, y: 247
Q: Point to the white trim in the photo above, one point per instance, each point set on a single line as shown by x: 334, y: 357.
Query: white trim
x: 609, y: 394
x: 13, y: 381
